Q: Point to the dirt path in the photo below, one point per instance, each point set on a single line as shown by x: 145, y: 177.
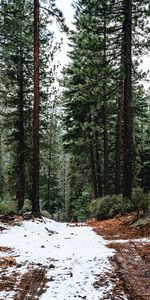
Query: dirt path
x: 51, y: 260
x: 32, y: 285
x: 131, y: 263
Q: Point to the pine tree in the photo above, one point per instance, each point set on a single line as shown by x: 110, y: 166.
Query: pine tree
x: 13, y: 45
x: 127, y: 112
x: 17, y: 36
x: 98, y: 78
x: 35, y: 192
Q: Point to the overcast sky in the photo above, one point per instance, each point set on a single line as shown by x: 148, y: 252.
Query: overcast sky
x: 66, y: 7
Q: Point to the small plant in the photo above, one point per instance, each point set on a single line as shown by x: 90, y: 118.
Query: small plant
x: 109, y: 206
x: 27, y: 205
x: 141, y: 200
x: 81, y: 206
x: 26, y: 208
x: 46, y: 214
x: 8, y: 207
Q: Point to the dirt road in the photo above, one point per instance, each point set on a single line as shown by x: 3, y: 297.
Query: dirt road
x: 131, y: 263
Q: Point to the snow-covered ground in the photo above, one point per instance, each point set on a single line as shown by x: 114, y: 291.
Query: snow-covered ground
x: 77, y: 254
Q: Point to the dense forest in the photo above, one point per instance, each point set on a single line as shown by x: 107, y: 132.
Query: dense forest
x: 76, y: 147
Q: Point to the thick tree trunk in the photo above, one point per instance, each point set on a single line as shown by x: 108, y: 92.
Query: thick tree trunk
x: 127, y: 133
x: 105, y: 119
x: 20, y: 184
x: 118, y: 173
x: 35, y: 195
x: 106, y: 162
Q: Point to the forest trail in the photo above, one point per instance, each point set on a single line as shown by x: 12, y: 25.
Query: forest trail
x: 130, y: 237
x: 49, y: 260
x: 46, y: 260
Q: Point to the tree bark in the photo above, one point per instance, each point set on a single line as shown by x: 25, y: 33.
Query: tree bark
x: 119, y: 137
x: 49, y: 188
x: 93, y: 173
x: 35, y: 194
x: 127, y: 128
x: 1, y: 170
x: 106, y: 163
x: 20, y: 184
x: 98, y: 167
x: 105, y: 118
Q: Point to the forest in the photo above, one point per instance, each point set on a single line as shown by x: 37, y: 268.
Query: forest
x: 74, y: 150
x: 77, y: 145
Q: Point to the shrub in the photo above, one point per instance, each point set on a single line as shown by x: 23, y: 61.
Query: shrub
x: 81, y: 212
x: 46, y: 214
x: 27, y: 205
x: 109, y: 206
x: 141, y: 200
x: 8, y: 207
x: 94, y: 207
x: 26, y: 208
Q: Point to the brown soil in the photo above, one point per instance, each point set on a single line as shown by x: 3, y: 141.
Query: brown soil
x: 24, y: 286
x: 8, y: 276
x: 32, y: 284
x: 2, y: 228
x: 120, y: 228
x: 131, y: 263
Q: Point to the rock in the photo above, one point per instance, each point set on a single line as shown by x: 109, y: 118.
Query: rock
x: 71, y: 274
x: 51, y: 232
x: 27, y: 216
x: 18, y: 266
x: 51, y: 266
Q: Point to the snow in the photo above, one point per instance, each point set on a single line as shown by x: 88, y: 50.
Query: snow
x: 78, y: 254
x: 135, y: 240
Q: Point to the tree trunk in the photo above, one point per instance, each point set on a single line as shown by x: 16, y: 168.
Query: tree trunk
x: 93, y: 173
x: 119, y: 143
x: 20, y: 184
x: 127, y: 132
x: 64, y: 176
x: 105, y: 118
x: 105, y: 133
x: 35, y: 195
x: 119, y: 133
x: 49, y: 180
x: 98, y: 167
x: 1, y: 169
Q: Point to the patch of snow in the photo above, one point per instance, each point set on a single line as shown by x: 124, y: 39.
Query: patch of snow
x: 74, y: 256
x: 139, y: 240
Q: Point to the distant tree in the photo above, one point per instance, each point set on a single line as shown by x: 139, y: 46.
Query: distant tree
x: 35, y: 191
x: 127, y: 109
x: 14, y: 53
x: 98, y: 92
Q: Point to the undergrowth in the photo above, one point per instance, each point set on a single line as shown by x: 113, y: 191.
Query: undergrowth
x: 112, y: 205
x: 8, y: 207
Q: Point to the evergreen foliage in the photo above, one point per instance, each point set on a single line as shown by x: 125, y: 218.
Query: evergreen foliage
x: 102, y: 153
x: 109, y: 206
x: 16, y: 91
x: 99, y: 113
